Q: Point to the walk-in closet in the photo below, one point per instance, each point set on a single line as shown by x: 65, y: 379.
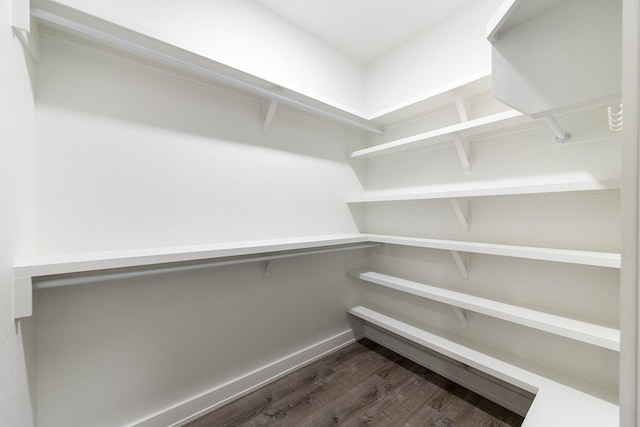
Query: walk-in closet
x: 203, y: 197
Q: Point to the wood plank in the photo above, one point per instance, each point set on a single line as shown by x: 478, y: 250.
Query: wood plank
x: 363, y: 383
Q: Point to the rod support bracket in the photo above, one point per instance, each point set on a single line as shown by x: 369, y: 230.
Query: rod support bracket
x: 561, y: 135
x: 22, y: 297
x: 266, y: 271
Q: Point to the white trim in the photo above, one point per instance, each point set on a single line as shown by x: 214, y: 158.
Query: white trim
x: 199, y: 405
x: 505, y: 395
x: 629, y: 294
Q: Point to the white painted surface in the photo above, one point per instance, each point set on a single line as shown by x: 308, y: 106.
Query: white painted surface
x: 600, y: 259
x: 246, y: 36
x: 629, y: 291
x: 17, y: 227
x: 365, y: 29
x: 93, y: 261
x: 466, y: 129
x: 555, y: 404
x: 451, y: 51
x: 566, y: 56
x: 146, y: 167
x: 130, y: 158
x: 512, y: 188
x: 601, y: 336
x: 199, y: 405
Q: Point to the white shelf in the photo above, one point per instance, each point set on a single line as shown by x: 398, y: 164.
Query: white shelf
x: 569, y: 402
x: 597, y: 335
x: 465, y: 129
x: 514, y: 12
x: 165, y: 259
x: 599, y: 259
x: 470, y: 190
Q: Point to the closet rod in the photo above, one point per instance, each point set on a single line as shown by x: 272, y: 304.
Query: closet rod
x: 166, y: 59
x: 561, y: 136
x: 45, y: 282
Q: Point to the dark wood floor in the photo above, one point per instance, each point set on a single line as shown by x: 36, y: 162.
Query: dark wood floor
x: 362, y: 384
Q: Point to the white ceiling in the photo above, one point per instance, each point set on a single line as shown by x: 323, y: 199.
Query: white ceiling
x: 364, y: 29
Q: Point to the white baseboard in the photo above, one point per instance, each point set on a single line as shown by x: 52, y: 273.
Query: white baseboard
x: 200, y: 405
x: 505, y: 395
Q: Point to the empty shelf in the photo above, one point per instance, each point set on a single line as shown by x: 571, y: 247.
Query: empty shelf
x: 466, y: 129
x: 465, y: 190
x: 581, y: 331
x: 600, y: 259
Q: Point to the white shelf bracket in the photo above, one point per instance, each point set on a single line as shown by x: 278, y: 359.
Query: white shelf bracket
x: 26, y: 32
x: 462, y: 262
x: 268, y: 117
x: 461, y: 210
x: 268, y: 266
x: 463, y: 148
x: 22, y: 297
x: 462, y: 107
x: 561, y: 136
x: 462, y: 315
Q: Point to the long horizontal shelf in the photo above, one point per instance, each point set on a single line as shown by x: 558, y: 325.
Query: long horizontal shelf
x: 600, y: 259
x: 601, y: 336
x: 465, y: 129
x: 556, y: 403
x: 72, y: 269
x: 466, y: 190
x: 75, y: 263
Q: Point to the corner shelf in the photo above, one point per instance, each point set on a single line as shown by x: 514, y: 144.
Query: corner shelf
x: 64, y: 270
x: 469, y: 191
x: 597, y: 335
x: 465, y: 129
x: 598, y: 259
x: 560, y: 400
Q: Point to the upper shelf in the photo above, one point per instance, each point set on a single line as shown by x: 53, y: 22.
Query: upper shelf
x: 467, y: 190
x: 514, y: 12
x: 599, y: 259
x: 551, y: 56
x: 63, y: 270
x: 76, y: 263
x: 465, y: 129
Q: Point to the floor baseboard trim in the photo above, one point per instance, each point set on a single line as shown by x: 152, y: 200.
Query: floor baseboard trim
x: 505, y: 395
x: 200, y: 405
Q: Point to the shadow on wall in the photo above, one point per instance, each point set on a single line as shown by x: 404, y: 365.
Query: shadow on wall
x: 81, y: 79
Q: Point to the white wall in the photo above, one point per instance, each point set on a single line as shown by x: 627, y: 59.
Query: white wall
x: 444, y: 54
x: 17, y: 227
x: 131, y: 157
x: 244, y: 35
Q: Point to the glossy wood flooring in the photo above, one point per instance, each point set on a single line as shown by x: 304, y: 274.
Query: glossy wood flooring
x: 362, y: 384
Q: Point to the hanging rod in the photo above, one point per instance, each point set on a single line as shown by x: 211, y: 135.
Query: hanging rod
x: 561, y: 136
x: 45, y: 282
x: 166, y: 59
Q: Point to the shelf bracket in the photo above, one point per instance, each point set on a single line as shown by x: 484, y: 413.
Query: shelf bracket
x: 561, y: 136
x: 25, y: 31
x: 22, y: 297
x: 268, y: 117
x: 462, y: 107
x: 462, y: 315
x: 461, y: 210
x: 463, y: 148
x: 462, y: 262
x: 268, y: 266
